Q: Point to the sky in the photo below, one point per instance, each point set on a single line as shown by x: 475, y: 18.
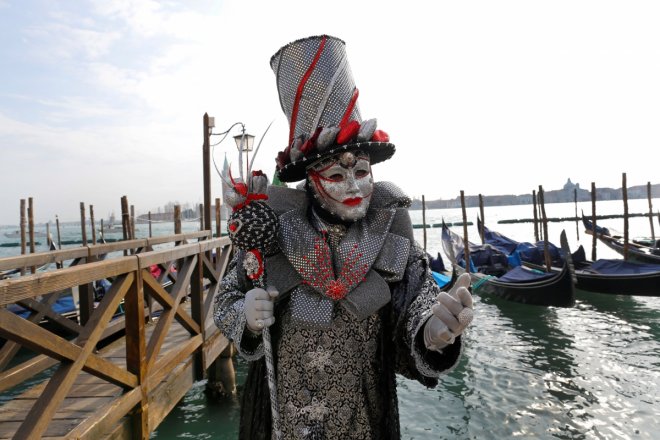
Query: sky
x: 101, y: 99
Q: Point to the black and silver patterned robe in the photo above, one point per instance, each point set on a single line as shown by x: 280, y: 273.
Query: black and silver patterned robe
x: 336, y: 361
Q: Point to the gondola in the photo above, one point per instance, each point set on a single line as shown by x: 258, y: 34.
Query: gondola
x: 608, y: 276
x: 494, y: 276
x: 636, y: 252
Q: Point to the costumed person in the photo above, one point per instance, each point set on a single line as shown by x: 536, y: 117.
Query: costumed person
x: 349, y: 300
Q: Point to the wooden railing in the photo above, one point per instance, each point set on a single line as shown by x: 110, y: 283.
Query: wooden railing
x: 153, y: 374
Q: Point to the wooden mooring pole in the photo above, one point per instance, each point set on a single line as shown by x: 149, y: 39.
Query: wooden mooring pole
x: 92, y: 223
x: 132, y: 222
x: 59, y: 237
x: 544, y: 218
x: 125, y: 220
x: 626, y: 244
x: 82, y: 224
x: 483, y: 220
x: 177, y: 219
x: 593, y: 221
x: 424, y: 219
x: 536, y: 221
x: 577, y: 227
x: 466, y: 248
x: 23, y: 240
x: 33, y: 269
x: 650, y: 196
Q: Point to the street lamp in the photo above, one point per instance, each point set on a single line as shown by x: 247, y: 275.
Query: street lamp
x: 245, y: 142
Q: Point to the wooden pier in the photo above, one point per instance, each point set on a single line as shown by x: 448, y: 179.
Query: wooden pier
x: 100, y: 373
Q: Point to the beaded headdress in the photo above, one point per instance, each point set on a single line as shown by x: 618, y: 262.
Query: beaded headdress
x: 318, y: 96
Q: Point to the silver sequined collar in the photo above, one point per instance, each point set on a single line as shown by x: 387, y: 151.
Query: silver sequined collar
x: 360, y: 246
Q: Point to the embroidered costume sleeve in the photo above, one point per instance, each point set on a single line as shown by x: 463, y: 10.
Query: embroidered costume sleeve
x: 229, y: 316
x: 412, y: 300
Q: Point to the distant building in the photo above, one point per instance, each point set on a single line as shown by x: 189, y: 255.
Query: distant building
x: 570, y: 186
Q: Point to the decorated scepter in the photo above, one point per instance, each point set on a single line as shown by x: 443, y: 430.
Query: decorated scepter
x: 252, y: 228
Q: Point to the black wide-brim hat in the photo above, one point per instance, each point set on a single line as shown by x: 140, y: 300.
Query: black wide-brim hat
x: 318, y: 96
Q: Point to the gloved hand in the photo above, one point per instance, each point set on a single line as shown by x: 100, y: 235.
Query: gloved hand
x: 451, y: 315
x: 258, y: 308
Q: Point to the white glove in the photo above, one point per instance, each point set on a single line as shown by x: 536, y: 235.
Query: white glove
x: 258, y: 308
x: 451, y: 315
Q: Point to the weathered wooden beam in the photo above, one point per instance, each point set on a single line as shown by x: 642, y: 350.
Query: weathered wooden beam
x: 154, y: 288
x: 42, y: 341
x: 30, y: 286
x: 10, y: 348
x: 42, y: 258
x: 170, y: 359
x: 107, y: 417
x: 20, y: 373
x: 165, y: 320
x: 44, y: 310
x: 171, y: 254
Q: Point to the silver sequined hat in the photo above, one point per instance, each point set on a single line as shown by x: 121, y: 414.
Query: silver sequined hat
x: 319, y: 97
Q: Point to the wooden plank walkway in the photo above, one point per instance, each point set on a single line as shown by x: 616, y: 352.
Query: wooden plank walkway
x: 124, y: 389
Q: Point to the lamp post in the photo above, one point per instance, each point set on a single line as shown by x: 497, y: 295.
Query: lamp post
x: 244, y: 143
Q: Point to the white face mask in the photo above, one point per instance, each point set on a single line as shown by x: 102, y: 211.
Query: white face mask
x: 343, y: 185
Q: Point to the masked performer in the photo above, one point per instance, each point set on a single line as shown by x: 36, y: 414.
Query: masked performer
x: 350, y: 301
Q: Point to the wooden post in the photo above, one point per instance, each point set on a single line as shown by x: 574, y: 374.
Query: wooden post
x: 33, y: 269
x: 424, y: 219
x: 536, y: 221
x: 136, y: 351
x: 59, y: 238
x: 218, y: 218
x: 206, y: 163
x: 626, y: 245
x: 577, y: 227
x: 540, y: 214
x: 544, y: 218
x: 466, y: 250
x: 650, y: 196
x: 92, y: 223
x: 23, y: 228
x: 197, y: 313
x: 149, y: 224
x: 201, y: 218
x: 48, y: 239
x: 85, y: 291
x: 132, y: 222
x: 483, y: 220
x: 125, y: 221
x: 177, y: 219
x: 221, y: 374
x: 82, y: 224
x: 593, y: 221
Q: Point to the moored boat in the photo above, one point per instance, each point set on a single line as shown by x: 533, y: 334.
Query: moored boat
x: 494, y: 276
x: 608, y: 276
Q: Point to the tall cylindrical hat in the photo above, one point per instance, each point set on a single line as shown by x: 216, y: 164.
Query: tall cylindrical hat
x: 319, y: 98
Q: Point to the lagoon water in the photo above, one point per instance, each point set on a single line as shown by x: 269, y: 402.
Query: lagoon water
x: 587, y: 372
